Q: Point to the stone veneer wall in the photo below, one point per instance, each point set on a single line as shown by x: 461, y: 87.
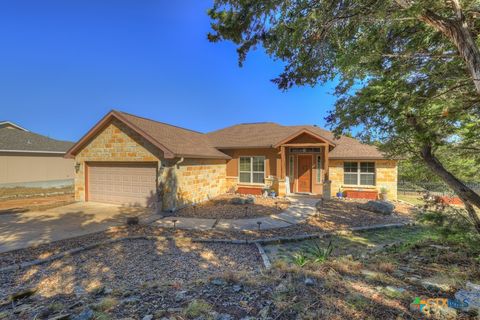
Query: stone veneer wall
x: 116, y: 142
x: 385, y: 176
x: 199, y: 180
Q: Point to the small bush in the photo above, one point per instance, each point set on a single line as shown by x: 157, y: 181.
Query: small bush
x: 106, y: 304
x: 197, y: 308
x: 386, y: 267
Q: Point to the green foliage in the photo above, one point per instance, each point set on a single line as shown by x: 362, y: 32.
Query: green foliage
x: 318, y: 253
x: 399, y: 79
x: 198, y: 308
x: 300, y: 259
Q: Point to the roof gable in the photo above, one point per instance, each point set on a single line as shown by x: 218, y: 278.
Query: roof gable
x: 171, y: 140
x: 304, y: 136
x: 11, y: 125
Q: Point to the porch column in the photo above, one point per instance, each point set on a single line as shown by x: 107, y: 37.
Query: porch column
x: 325, y: 163
x: 282, y: 191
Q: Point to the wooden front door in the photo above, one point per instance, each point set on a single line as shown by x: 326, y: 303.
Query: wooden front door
x: 304, y: 173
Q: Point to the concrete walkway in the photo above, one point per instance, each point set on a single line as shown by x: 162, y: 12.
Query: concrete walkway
x: 300, y: 209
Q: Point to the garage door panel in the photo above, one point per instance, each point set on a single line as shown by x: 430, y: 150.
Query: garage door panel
x: 126, y: 184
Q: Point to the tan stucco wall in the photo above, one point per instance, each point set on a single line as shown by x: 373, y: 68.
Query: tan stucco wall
x: 116, y: 142
x: 386, y: 172
x: 271, y: 157
x: 28, y: 167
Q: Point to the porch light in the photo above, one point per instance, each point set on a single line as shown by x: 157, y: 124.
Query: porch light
x: 77, y: 167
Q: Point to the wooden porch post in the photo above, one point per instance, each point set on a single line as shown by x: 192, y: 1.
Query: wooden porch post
x: 284, y: 166
x: 325, y: 163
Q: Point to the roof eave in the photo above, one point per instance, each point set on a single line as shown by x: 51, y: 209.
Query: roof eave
x: 361, y: 158
x: 197, y: 156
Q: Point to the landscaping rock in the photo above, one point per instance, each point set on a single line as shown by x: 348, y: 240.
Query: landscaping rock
x: 237, y: 201
x: 237, y: 288
x: 218, y: 282
x: 224, y: 316
x: 180, y: 296
x: 86, y: 314
x: 437, y: 283
x: 309, y: 282
x: 148, y: 317
x: 23, y: 294
x: 250, y: 200
x: 382, y: 207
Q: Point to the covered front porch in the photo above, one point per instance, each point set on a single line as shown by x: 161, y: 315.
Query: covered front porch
x: 304, y: 162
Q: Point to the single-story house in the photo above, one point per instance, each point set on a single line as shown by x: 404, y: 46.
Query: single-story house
x: 28, y: 159
x: 131, y: 160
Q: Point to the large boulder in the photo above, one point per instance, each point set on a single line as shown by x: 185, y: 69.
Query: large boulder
x: 382, y: 207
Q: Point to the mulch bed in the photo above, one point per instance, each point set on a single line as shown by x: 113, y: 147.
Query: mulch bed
x: 221, y: 208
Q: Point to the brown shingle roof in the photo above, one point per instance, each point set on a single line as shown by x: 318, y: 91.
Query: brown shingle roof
x: 267, y: 134
x: 182, y: 142
x: 179, y: 142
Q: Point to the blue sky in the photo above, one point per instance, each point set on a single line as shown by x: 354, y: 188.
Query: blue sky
x: 64, y: 64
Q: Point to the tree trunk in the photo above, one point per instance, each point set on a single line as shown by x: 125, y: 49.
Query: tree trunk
x: 458, y: 33
x: 467, y: 195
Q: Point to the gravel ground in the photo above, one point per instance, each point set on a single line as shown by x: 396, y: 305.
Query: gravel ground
x: 221, y: 207
x: 132, y: 263
x: 332, y: 220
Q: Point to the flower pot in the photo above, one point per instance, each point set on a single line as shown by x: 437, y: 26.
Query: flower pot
x: 339, y: 194
x: 383, y: 197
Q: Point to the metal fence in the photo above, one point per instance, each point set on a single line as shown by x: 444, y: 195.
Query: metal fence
x: 418, y: 187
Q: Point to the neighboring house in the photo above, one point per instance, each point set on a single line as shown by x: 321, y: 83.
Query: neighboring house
x: 32, y: 160
x: 131, y: 160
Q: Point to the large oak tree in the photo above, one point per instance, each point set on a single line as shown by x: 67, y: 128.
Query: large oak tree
x: 408, y: 70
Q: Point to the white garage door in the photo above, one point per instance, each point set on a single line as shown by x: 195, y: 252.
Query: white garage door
x: 132, y: 184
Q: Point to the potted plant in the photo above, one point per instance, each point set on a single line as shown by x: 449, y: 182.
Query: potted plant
x: 383, y: 193
x: 340, y: 193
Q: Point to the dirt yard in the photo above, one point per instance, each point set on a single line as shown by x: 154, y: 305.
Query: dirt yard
x: 221, y: 207
x: 35, y: 203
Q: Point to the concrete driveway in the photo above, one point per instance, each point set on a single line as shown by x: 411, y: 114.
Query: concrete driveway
x: 30, y: 228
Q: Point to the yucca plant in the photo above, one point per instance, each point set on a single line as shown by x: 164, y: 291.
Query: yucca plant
x: 300, y: 259
x: 319, y: 253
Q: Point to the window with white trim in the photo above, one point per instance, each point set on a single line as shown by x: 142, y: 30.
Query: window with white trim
x: 252, y: 170
x: 319, y: 169
x: 359, y: 173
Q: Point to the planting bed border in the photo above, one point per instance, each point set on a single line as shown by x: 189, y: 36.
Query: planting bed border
x: 257, y: 242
